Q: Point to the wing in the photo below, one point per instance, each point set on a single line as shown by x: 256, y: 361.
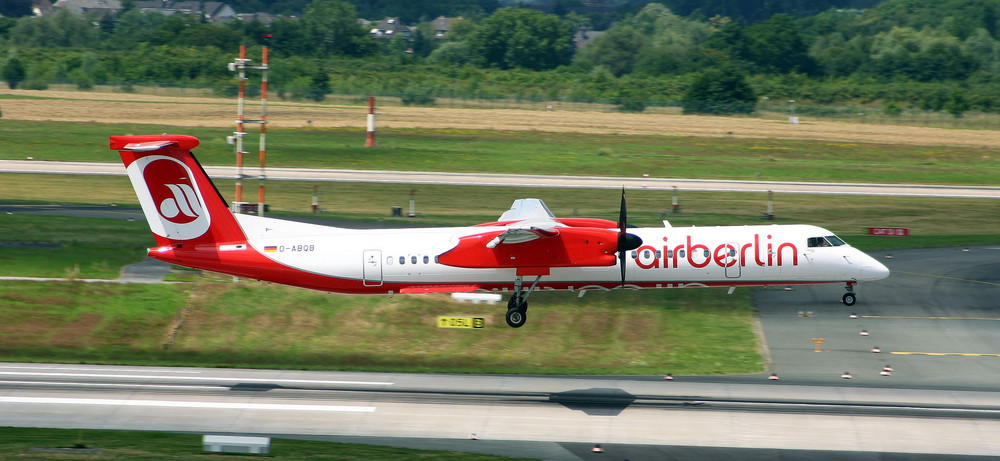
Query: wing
x: 526, y: 209
x: 535, y: 238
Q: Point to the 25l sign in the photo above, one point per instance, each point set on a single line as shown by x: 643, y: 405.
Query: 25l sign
x: 461, y: 322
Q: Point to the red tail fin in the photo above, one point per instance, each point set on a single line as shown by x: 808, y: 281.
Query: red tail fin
x: 182, y: 206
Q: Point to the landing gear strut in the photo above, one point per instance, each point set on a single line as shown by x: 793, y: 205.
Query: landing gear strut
x: 517, y: 307
x: 850, y: 298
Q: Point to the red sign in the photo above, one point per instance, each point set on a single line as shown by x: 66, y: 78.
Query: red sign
x: 889, y: 231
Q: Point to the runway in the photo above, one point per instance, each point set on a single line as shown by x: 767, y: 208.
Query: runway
x: 516, y: 415
x: 938, y: 301
x: 515, y: 180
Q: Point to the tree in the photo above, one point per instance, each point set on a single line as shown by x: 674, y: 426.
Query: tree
x: 15, y: 8
x: 319, y: 85
x: 923, y: 55
x: 61, y: 29
x: 332, y: 27
x: 13, y: 72
x: 957, y: 105
x: 722, y: 90
x: 777, y: 47
x: 618, y: 49
x: 519, y: 37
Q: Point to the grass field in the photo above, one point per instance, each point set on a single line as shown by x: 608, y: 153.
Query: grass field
x: 18, y: 443
x: 256, y: 325
x: 93, y: 106
x: 491, y: 151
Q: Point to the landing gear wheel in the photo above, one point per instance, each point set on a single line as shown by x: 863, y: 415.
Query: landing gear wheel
x: 849, y: 299
x: 516, y: 317
x: 517, y: 302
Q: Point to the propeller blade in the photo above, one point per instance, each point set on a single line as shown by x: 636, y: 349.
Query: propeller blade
x: 622, y: 214
x: 626, y: 242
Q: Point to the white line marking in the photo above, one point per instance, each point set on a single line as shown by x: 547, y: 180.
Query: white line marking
x: 157, y: 386
x: 201, y: 378
x: 182, y: 404
x: 137, y: 370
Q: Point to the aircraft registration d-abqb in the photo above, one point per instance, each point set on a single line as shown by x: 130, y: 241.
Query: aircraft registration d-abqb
x: 526, y: 250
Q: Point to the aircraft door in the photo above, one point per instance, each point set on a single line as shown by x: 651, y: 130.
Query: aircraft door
x: 372, y: 268
x: 731, y: 261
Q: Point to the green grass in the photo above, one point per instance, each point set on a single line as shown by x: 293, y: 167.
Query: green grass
x: 16, y: 443
x: 70, y: 247
x: 256, y: 325
x: 542, y: 153
x: 100, y: 321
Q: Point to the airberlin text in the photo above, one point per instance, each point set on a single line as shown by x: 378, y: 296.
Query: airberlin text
x: 761, y: 253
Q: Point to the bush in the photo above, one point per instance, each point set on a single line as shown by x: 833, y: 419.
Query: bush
x: 893, y: 109
x: 720, y: 91
x: 418, y: 96
x: 632, y: 105
x: 35, y: 84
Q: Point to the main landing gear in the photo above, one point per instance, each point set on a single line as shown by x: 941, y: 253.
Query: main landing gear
x: 517, y: 307
x: 850, y: 298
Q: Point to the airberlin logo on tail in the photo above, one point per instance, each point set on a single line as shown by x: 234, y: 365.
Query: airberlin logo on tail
x: 183, y: 207
x: 170, y: 197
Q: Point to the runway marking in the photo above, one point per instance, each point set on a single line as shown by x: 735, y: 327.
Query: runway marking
x: 201, y: 378
x: 948, y: 278
x: 137, y: 370
x: 925, y: 318
x: 962, y: 354
x: 156, y: 386
x: 182, y: 404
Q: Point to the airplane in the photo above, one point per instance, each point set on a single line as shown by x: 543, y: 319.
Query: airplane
x: 526, y: 250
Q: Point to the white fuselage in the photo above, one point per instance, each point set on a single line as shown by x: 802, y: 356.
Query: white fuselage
x: 390, y: 260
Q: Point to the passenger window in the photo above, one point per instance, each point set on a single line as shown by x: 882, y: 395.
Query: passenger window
x: 402, y: 260
x: 658, y: 254
x: 427, y: 259
x: 413, y: 259
x: 388, y: 260
x: 635, y: 254
x: 670, y: 253
x: 680, y: 253
x: 706, y: 253
x: 645, y: 254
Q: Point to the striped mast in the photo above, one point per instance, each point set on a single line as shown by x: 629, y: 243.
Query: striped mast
x: 263, y: 131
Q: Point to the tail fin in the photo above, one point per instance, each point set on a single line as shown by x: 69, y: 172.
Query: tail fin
x: 182, y: 206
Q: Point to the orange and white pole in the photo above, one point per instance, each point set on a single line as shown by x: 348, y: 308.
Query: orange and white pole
x: 263, y: 132
x: 371, y: 122
x: 241, y: 63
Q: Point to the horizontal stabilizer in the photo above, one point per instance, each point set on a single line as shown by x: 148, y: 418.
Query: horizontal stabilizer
x: 148, y: 146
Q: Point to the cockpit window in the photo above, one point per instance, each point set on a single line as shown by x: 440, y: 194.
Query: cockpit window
x: 828, y: 241
x: 818, y: 242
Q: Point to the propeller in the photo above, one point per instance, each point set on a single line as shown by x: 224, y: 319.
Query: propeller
x: 626, y: 242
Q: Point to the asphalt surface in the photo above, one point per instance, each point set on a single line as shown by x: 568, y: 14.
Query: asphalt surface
x: 514, y: 180
x: 934, y: 321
